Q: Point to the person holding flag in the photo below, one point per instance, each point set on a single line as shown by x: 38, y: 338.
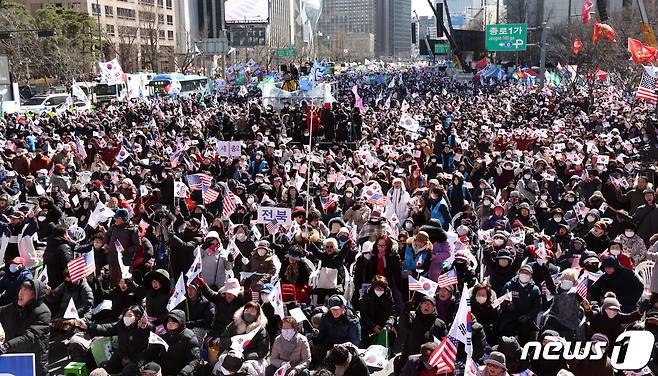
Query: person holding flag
x: 565, y: 314
x: 249, y: 320
x: 132, y: 331
x: 518, y: 317
x: 420, y: 326
x: 182, y: 247
x: 216, y: 264
x: 182, y: 355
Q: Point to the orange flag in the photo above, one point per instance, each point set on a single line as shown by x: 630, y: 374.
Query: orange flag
x: 577, y: 45
x: 603, y: 31
x: 641, y: 53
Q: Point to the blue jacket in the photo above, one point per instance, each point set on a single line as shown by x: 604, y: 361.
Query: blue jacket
x: 10, y: 283
x: 336, y: 331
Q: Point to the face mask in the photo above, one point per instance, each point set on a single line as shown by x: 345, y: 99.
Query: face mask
x: 615, y: 251
x: 262, y: 252
x: 379, y: 293
x: 348, y: 194
x: 288, y: 334
x: 499, y: 242
x: 591, y: 218
x: 408, y: 226
x: 13, y: 268
x: 611, y: 313
x: 241, y: 237
x: 41, y: 218
x: 524, y: 278
x: 566, y: 285
x: 367, y: 256
x: 557, y: 218
x: 264, y: 297
x: 481, y: 299
x: 629, y: 233
x: 570, y: 199
x: 249, y: 317
x: 543, y: 197
x: 127, y: 321
x: 486, y: 202
x: 527, y: 176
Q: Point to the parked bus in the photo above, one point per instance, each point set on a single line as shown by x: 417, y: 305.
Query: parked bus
x: 191, y: 83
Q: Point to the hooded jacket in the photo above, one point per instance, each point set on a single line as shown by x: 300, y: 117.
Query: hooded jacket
x: 259, y: 346
x: 183, y: 356
x: 133, y: 340
x: 27, y: 328
x: 56, y: 257
x: 156, y: 300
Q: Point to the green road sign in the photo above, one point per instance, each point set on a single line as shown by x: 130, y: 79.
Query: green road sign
x: 506, y: 37
x: 286, y: 52
x: 441, y: 49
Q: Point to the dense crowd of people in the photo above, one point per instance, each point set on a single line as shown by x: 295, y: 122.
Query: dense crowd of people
x: 524, y: 195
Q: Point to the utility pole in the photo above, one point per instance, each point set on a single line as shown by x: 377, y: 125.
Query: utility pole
x: 542, y: 55
x: 100, y: 43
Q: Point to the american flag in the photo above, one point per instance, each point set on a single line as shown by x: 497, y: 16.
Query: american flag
x: 197, y: 181
x: 229, y: 202
x: 447, y: 279
x: 209, y: 195
x: 158, y: 141
x: 254, y: 296
x: 444, y: 355
x: 326, y: 203
x: 273, y: 227
x: 352, y: 234
x: 375, y: 197
x: 500, y: 300
x: 82, y: 266
x: 594, y: 276
x: 581, y: 287
x: 414, y: 285
x: 647, y: 88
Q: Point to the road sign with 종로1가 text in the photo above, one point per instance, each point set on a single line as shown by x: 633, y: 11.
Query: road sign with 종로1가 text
x: 506, y: 37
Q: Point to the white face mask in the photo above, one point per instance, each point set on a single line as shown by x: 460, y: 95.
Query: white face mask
x: 128, y: 320
x: 264, y: 297
x: 241, y: 237
x: 611, y: 312
x: 557, y: 218
x: 288, y: 334
x: 527, y: 176
x: 499, y: 242
x: 481, y: 299
x: 524, y: 278
x: 262, y: 252
x: 615, y: 251
x: 591, y: 218
x: 13, y: 268
x: 41, y: 218
x: 379, y: 293
x: 566, y: 285
x: 629, y: 233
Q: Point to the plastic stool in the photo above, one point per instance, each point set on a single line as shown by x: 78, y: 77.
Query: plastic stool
x: 76, y: 369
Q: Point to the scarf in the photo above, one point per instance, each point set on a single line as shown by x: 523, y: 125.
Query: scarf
x: 292, y: 273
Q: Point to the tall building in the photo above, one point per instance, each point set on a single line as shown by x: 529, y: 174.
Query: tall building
x: 352, y: 25
x: 140, y: 33
x: 393, y: 28
x: 348, y: 25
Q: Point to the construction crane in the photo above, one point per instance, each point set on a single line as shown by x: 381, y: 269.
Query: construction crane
x: 456, y: 52
x: 645, y: 26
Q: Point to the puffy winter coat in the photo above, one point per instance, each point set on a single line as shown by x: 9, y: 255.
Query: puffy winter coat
x: 259, y: 346
x: 27, y: 328
x: 183, y: 356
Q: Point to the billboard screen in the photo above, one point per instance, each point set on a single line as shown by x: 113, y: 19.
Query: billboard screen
x: 247, y: 11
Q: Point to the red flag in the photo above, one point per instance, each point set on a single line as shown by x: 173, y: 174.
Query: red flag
x: 481, y: 63
x: 641, y: 53
x: 587, y: 6
x: 603, y: 31
x: 600, y: 74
